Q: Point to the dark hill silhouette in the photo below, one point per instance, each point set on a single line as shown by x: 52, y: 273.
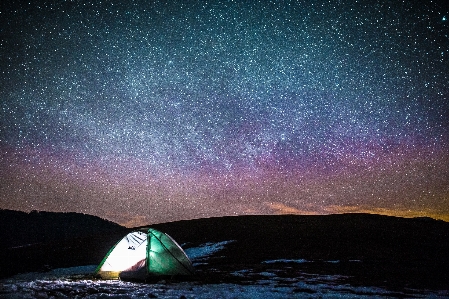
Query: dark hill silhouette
x: 375, y: 249
x: 369, y: 249
x: 329, y: 237
x: 42, y: 240
x: 20, y: 228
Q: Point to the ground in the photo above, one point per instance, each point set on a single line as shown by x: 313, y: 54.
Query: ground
x: 352, y: 255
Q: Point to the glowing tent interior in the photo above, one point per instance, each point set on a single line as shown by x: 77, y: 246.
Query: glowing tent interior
x: 143, y: 254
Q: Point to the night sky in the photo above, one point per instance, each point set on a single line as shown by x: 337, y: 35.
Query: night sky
x: 152, y: 111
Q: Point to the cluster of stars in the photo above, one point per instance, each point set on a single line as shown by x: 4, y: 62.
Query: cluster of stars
x: 185, y: 99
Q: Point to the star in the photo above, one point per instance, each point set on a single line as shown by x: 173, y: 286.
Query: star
x: 182, y: 110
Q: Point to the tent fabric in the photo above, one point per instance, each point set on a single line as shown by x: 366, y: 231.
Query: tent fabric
x: 166, y: 257
x: 139, y: 255
x: 122, y: 256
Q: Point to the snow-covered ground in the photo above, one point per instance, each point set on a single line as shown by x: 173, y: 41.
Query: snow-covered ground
x: 199, y: 255
x: 76, y: 282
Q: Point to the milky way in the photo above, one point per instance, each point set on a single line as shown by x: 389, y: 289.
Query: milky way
x: 149, y: 111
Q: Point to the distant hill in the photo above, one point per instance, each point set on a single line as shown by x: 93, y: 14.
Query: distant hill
x: 337, y: 236
x: 370, y: 249
x: 39, y: 240
x: 373, y: 249
x: 20, y: 228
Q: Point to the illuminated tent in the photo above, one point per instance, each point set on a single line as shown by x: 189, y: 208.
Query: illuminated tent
x: 142, y: 254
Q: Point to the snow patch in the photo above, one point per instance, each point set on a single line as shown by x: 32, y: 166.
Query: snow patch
x: 266, y: 288
x: 267, y: 274
x: 299, y: 261
x: 57, y: 273
x: 199, y: 255
x: 269, y: 285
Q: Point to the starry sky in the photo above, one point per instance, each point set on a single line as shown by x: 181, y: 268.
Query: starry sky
x: 151, y: 111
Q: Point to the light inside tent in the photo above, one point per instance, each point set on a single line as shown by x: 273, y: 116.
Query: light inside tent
x: 127, y: 253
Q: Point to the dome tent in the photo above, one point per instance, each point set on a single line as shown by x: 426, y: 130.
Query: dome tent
x: 143, y: 254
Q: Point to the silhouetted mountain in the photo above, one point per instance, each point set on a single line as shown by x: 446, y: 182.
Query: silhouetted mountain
x: 368, y: 249
x: 38, y: 240
x: 20, y: 228
x: 352, y: 236
x: 373, y: 248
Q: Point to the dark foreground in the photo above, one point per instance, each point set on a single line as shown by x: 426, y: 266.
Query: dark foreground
x: 359, y: 250
x: 367, y: 249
